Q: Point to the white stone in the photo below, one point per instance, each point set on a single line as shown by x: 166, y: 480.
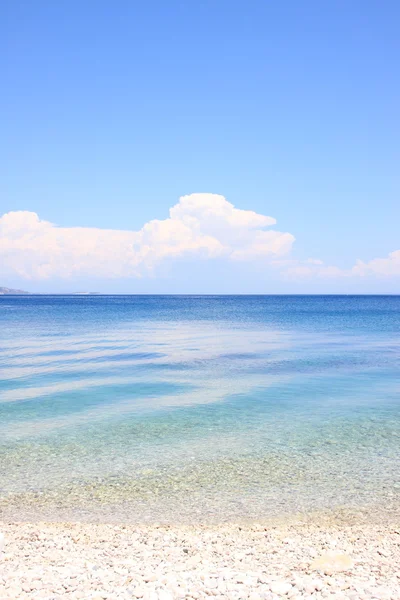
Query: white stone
x: 332, y: 562
x: 280, y: 587
x: 165, y: 595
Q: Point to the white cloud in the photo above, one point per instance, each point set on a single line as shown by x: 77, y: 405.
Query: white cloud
x: 203, y: 225
x: 378, y: 267
x: 382, y: 267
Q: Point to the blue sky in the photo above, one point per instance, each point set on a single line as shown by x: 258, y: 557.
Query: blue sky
x: 112, y: 111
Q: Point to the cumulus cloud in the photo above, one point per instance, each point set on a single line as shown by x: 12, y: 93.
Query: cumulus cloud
x: 378, y: 267
x: 382, y: 267
x: 202, y: 225
x: 205, y: 226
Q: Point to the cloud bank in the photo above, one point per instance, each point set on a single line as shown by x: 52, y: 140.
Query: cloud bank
x: 202, y: 225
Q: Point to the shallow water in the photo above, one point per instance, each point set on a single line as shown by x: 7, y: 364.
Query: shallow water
x: 200, y: 408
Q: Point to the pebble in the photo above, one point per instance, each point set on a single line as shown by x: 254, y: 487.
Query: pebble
x: 280, y: 587
x: 332, y: 562
x: 105, y: 562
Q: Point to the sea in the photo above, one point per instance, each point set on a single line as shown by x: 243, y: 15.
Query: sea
x: 199, y: 409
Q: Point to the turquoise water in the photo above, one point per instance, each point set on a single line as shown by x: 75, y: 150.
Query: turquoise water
x: 198, y: 408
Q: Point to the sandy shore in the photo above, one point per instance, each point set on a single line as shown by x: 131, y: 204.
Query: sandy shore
x: 303, y: 560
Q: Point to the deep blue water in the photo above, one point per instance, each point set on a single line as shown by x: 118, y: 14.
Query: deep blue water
x: 199, y: 407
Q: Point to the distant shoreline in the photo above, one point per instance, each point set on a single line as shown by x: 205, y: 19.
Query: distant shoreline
x: 161, y: 295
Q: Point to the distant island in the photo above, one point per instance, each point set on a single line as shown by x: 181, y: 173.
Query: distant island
x: 4, y: 290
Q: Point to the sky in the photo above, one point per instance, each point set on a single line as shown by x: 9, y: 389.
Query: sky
x: 206, y: 146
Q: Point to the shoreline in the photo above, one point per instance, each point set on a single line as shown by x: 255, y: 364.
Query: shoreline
x: 259, y: 561
x: 190, y: 511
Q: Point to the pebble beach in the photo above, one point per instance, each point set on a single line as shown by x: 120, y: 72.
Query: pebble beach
x: 159, y: 562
